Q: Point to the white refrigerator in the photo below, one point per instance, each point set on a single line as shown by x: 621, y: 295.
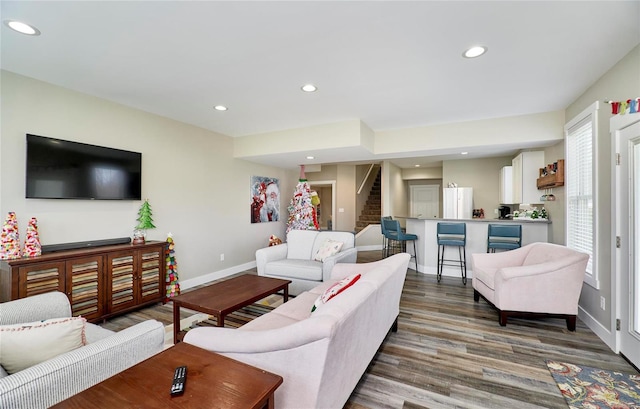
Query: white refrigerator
x: 457, y: 203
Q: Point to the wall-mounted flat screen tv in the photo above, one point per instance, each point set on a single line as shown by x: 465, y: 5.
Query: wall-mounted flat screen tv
x: 59, y: 169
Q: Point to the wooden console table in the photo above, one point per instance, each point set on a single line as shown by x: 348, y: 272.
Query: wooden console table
x: 100, y: 281
x: 213, y: 381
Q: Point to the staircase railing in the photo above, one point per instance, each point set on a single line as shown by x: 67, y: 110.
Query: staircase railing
x: 366, y: 177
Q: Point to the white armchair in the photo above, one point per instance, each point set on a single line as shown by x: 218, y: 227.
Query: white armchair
x: 539, y: 279
x: 294, y: 260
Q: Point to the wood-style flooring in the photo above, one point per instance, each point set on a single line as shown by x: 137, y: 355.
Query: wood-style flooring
x: 450, y: 352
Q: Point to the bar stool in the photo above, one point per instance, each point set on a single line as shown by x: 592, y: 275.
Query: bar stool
x: 504, y: 236
x: 385, y: 234
x: 455, y: 235
x: 399, y: 238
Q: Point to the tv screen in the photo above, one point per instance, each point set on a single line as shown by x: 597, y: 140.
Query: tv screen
x: 58, y: 169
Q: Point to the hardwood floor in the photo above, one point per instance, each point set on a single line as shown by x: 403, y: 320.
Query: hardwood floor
x: 450, y: 352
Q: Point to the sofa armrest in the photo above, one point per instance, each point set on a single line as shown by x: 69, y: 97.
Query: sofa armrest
x: 229, y: 340
x: 268, y: 254
x: 345, y: 256
x: 52, y: 381
x: 35, y: 308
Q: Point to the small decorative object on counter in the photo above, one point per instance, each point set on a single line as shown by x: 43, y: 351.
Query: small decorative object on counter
x: 32, y: 246
x: 10, y: 238
x: 534, y: 213
x: 138, y: 236
x: 173, y: 285
x: 544, y: 214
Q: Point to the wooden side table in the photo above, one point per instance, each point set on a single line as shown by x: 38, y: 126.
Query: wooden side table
x: 213, y: 381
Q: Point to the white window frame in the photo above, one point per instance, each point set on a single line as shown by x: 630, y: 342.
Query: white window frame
x: 589, y: 114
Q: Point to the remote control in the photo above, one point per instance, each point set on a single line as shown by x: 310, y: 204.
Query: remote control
x: 179, y: 380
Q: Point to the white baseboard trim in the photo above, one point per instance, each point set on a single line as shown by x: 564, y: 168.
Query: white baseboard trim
x: 601, y: 331
x: 216, y: 275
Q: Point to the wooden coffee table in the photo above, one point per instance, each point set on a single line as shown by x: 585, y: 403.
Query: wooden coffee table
x: 224, y: 297
x: 213, y: 381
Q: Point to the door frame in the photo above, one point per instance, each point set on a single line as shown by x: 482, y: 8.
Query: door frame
x: 616, y: 124
x: 332, y: 184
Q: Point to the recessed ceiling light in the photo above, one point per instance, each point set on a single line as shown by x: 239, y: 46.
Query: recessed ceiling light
x: 22, y: 28
x: 309, y: 88
x: 311, y: 157
x: 417, y: 166
x: 220, y: 108
x: 475, y: 51
x: 463, y: 153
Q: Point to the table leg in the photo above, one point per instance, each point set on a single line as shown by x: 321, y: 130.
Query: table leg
x: 285, y: 297
x: 176, y: 321
x: 270, y: 403
x: 220, y: 318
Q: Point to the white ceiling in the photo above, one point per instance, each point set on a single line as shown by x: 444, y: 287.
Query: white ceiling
x: 391, y: 64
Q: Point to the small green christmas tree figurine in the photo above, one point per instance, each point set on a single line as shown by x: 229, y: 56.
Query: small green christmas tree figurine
x: 173, y: 286
x: 145, y: 222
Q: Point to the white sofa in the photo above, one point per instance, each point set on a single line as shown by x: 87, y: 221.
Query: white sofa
x: 321, y: 355
x: 54, y: 380
x: 294, y: 260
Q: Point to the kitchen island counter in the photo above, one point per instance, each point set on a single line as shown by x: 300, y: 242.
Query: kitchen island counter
x: 533, y: 230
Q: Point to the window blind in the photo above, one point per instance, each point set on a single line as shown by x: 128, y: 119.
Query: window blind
x: 579, y: 188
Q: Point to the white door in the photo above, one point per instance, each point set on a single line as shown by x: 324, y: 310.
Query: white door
x: 424, y: 201
x: 628, y: 229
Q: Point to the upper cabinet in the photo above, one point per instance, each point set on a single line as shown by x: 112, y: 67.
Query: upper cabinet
x: 551, y: 176
x: 526, y: 168
x: 506, y: 185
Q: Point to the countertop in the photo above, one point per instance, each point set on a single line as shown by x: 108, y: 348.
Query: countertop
x: 485, y: 220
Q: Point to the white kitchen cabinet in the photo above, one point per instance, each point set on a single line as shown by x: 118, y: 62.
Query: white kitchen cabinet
x: 526, y: 168
x: 506, y: 185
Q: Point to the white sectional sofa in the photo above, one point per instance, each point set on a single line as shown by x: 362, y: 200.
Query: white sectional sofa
x: 106, y: 354
x: 321, y: 355
x: 294, y: 260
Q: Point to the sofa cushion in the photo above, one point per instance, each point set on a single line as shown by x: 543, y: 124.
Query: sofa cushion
x: 334, y: 290
x: 327, y: 249
x: 268, y: 321
x: 300, y: 269
x: 25, y: 345
x: 297, y: 308
x: 300, y: 244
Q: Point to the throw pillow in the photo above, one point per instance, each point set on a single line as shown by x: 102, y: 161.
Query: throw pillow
x: 327, y: 249
x: 25, y: 345
x: 334, y: 290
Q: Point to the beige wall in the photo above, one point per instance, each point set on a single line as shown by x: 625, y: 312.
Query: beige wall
x: 345, y: 177
x: 197, y: 191
x: 621, y: 82
x: 556, y: 209
x: 483, y: 175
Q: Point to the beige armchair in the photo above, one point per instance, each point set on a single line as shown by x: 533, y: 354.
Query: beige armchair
x: 539, y: 279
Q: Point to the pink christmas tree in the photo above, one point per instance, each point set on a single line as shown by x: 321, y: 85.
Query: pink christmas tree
x: 302, y: 214
x: 32, y: 246
x: 10, y: 238
x: 172, y: 284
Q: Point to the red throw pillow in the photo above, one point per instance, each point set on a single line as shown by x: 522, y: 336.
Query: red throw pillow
x: 334, y: 290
